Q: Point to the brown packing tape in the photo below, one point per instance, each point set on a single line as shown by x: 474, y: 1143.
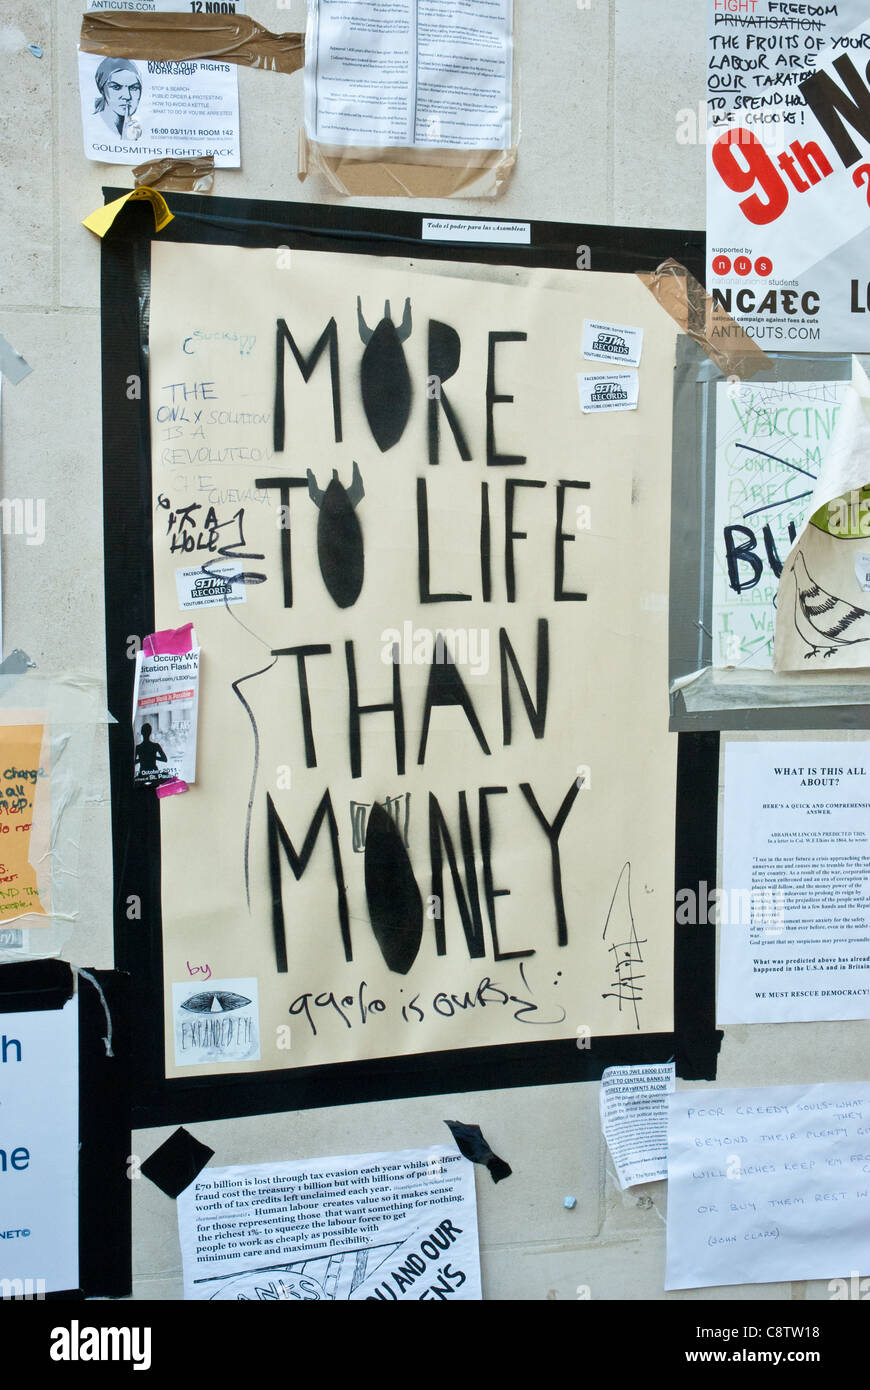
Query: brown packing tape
x: 177, y: 175
x: 231, y: 38
x: 408, y: 173
x: 698, y: 315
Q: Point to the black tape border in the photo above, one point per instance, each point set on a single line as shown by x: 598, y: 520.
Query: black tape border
x: 129, y: 604
x: 105, y: 1219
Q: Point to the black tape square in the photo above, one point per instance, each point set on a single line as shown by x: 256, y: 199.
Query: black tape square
x: 176, y: 1163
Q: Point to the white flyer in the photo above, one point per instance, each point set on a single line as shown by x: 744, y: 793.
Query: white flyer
x: 633, y: 1102
x: 768, y: 1184
x: 612, y: 342
x: 413, y: 73
x: 794, y: 906
x: 607, y: 391
x: 488, y: 231
x: 165, y: 702
x: 135, y: 109
x: 385, y: 1227
x: 788, y: 171
x: 39, y: 1151
x: 772, y: 438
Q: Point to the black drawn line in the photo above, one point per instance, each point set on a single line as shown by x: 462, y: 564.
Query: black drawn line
x: 627, y: 985
x: 785, y: 463
x: 255, y: 769
x: 785, y: 501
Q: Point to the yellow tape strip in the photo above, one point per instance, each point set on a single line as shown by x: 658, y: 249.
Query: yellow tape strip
x: 101, y: 220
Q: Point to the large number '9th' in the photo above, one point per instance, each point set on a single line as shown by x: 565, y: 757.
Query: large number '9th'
x: 744, y: 164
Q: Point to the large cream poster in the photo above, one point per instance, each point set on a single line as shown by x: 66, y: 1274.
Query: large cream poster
x: 434, y: 801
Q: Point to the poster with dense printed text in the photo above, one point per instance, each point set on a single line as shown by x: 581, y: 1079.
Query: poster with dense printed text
x: 386, y: 1227
x: 434, y: 805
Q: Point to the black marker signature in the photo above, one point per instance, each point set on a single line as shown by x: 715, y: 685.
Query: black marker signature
x: 626, y: 987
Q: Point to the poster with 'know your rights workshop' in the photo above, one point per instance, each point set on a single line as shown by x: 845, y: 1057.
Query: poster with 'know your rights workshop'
x: 134, y: 108
x: 434, y: 804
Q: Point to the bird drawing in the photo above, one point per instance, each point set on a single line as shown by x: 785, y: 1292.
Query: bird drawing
x: 823, y: 621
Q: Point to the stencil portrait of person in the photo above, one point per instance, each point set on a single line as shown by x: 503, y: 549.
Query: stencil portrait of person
x: 120, y: 87
x: 148, y: 753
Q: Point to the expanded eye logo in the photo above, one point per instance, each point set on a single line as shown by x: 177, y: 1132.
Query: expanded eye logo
x: 219, y: 1001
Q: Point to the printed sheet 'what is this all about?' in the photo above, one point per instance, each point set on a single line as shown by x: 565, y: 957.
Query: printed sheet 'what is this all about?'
x: 793, y: 914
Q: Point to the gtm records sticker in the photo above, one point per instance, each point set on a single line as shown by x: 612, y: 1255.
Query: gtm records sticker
x: 205, y: 588
x: 612, y: 342
x: 608, y: 391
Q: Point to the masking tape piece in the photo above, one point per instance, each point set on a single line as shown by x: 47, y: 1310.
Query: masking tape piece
x: 473, y: 1146
x: 71, y: 706
x: 407, y: 173
x: 232, y: 38
x: 16, y: 663
x: 698, y: 315
x: 174, y: 788
x: 102, y: 218
x: 176, y: 1163
x: 12, y: 364
x: 170, y: 641
x: 177, y: 175
x: 26, y: 806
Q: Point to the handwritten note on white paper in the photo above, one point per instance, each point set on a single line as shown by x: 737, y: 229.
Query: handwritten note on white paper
x: 767, y: 1184
x: 771, y: 442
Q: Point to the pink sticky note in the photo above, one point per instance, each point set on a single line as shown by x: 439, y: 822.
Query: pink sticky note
x: 172, y: 641
x: 174, y: 788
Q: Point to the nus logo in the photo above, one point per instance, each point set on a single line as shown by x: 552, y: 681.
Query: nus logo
x: 76, y: 1343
